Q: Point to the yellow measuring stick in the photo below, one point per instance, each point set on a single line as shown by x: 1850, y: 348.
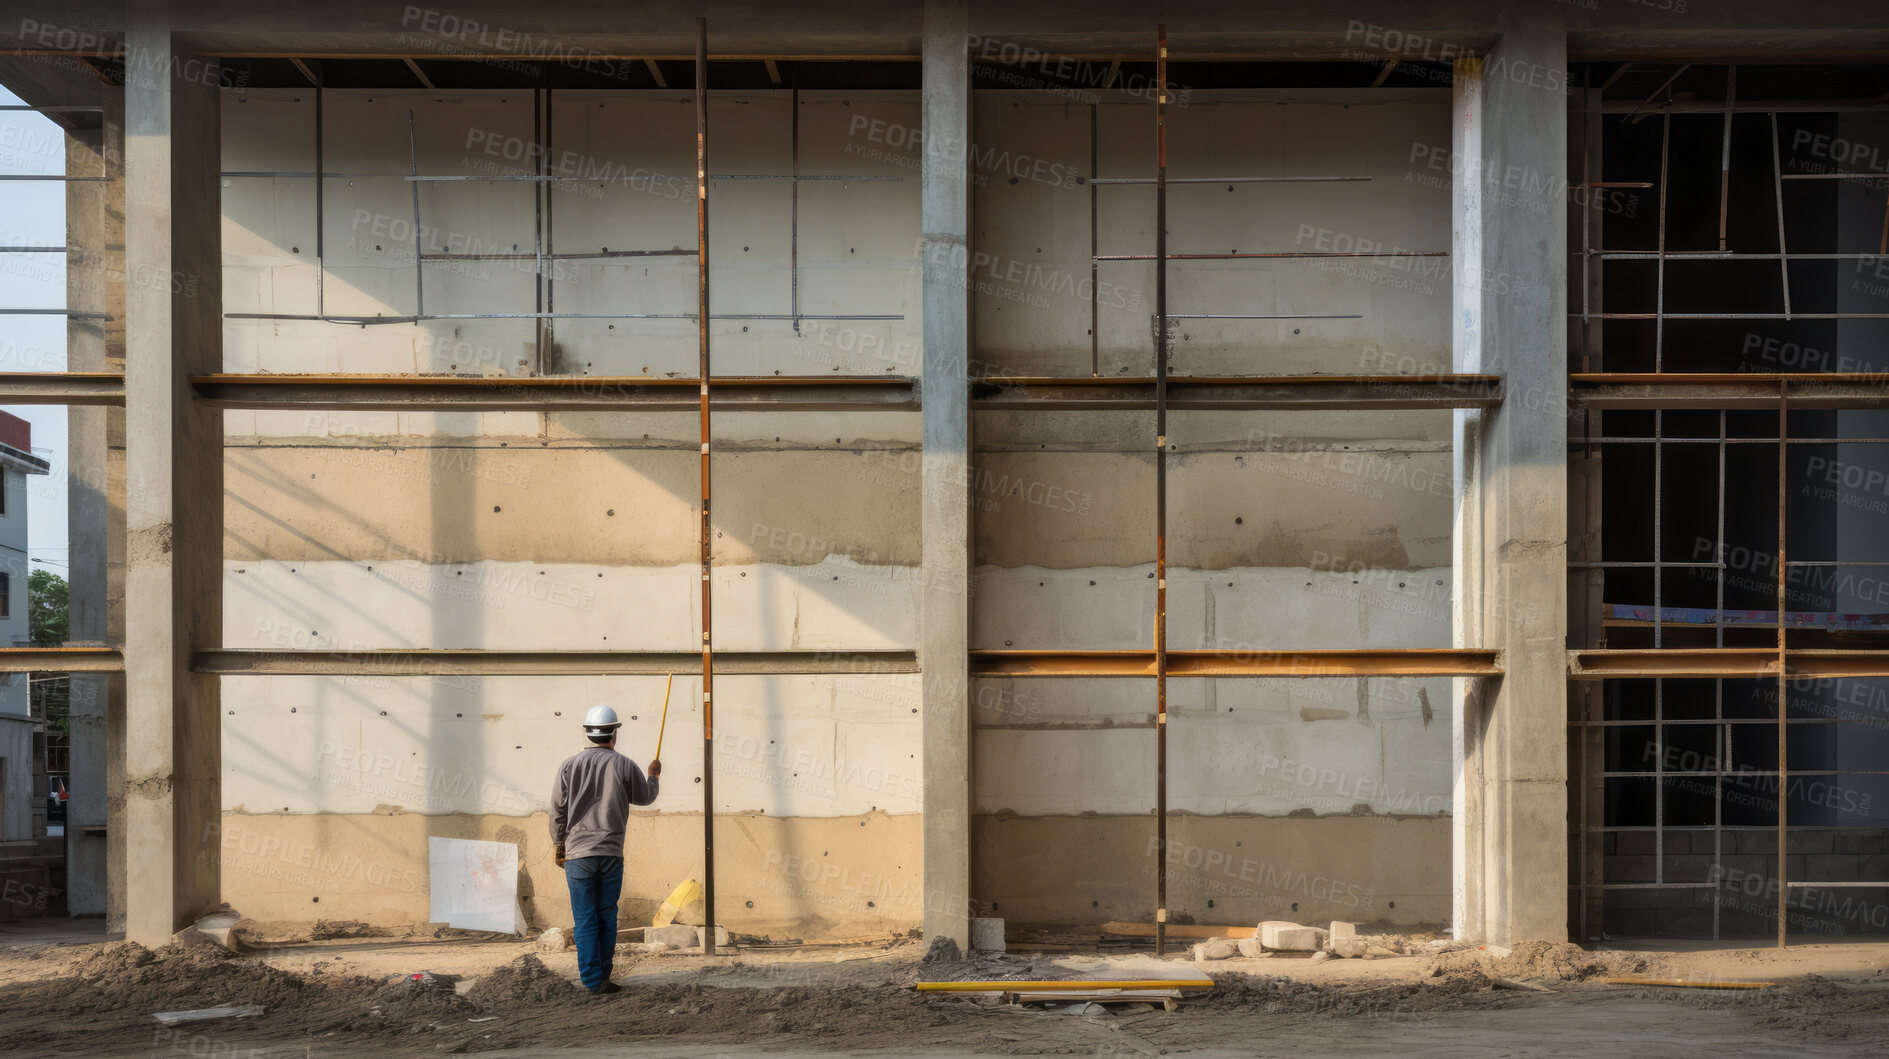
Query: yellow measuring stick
x: 665, y: 716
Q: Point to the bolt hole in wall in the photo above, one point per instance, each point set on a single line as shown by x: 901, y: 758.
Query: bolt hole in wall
x: 1285, y: 529
x: 1748, y: 241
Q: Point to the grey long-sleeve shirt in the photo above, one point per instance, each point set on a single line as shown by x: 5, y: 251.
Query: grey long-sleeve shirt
x: 591, y: 799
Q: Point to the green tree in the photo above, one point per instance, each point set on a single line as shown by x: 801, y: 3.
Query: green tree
x: 47, y: 623
x: 46, y: 614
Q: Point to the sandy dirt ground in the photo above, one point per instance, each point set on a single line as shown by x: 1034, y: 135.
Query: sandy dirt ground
x: 73, y: 991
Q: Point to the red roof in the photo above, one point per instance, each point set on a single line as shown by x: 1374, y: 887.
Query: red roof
x: 16, y: 432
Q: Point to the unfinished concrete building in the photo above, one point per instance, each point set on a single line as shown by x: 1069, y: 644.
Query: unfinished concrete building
x: 1202, y: 465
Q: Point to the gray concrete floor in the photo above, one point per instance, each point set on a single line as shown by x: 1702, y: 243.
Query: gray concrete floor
x: 61, y: 930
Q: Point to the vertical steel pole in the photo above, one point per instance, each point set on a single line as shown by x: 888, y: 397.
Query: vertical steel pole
x: 413, y: 167
x: 1659, y: 295
x: 547, y: 247
x: 537, y: 230
x: 1725, y: 153
x: 1783, y: 579
x: 1095, y: 311
x: 1783, y: 759
x: 1783, y: 255
x: 708, y: 650
x: 1659, y: 775
x: 793, y: 246
x: 320, y: 236
x: 1161, y: 486
x: 1659, y: 426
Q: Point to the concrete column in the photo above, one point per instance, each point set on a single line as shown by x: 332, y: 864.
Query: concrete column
x: 1466, y: 588
x: 174, y: 494
x: 95, y: 502
x: 945, y: 510
x: 1510, y: 260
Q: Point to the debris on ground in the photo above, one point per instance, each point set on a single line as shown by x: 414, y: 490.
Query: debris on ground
x: 525, y: 980
x: 1216, y: 949
x: 942, y: 950
x: 218, y: 928
x: 100, y: 999
x: 1551, y: 960
x: 1281, y: 936
x: 332, y: 929
x: 240, y: 1011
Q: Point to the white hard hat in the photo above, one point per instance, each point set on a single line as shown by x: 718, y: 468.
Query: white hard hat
x: 601, y: 720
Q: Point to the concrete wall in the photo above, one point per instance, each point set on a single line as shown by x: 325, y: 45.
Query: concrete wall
x: 14, y: 697
x: 1291, y: 798
x: 557, y: 531
x: 95, y: 492
x: 569, y: 531
x: 16, y: 799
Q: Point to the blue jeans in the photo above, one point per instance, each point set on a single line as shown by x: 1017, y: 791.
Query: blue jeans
x: 596, y: 883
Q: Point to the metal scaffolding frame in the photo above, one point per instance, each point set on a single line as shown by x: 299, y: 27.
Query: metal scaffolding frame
x: 1591, y: 391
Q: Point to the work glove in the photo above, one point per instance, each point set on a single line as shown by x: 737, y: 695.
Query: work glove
x: 557, y: 854
x: 655, y: 769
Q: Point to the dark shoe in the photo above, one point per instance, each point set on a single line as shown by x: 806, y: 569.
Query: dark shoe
x: 607, y: 988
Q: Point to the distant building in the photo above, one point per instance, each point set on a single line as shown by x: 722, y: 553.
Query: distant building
x: 20, y: 794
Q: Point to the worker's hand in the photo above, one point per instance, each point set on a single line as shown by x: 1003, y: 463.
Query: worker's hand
x: 655, y: 769
x: 557, y: 854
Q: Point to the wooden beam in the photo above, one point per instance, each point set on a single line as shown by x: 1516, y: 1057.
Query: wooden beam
x: 417, y: 72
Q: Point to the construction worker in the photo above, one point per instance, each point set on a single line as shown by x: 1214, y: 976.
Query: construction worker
x: 590, y: 804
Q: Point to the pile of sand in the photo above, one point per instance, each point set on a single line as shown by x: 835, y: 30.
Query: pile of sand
x: 525, y: 980
x: 1553, y: 960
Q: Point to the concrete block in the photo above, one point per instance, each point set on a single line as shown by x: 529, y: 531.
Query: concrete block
x: 1832, y: 867
x: 1689, y: 867
x: 217, y: 928
x: 1251, y: 947
x: 1633, y: 842
x: 1290, y: 937
x: 1859, y: 841
x: 190, y: 937
x: 1630, y: 868
x: 987, y: 933
x: 1350, y: 948
x: 674, y: 936
x: 557, y: 939
x: 1756, y: 842
x: 1341, y: 929
x: 1760, y: 864
x: 1809, y: 842
x: 1215, y: 949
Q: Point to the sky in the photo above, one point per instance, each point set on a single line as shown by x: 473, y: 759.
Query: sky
x: 33, y: 213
